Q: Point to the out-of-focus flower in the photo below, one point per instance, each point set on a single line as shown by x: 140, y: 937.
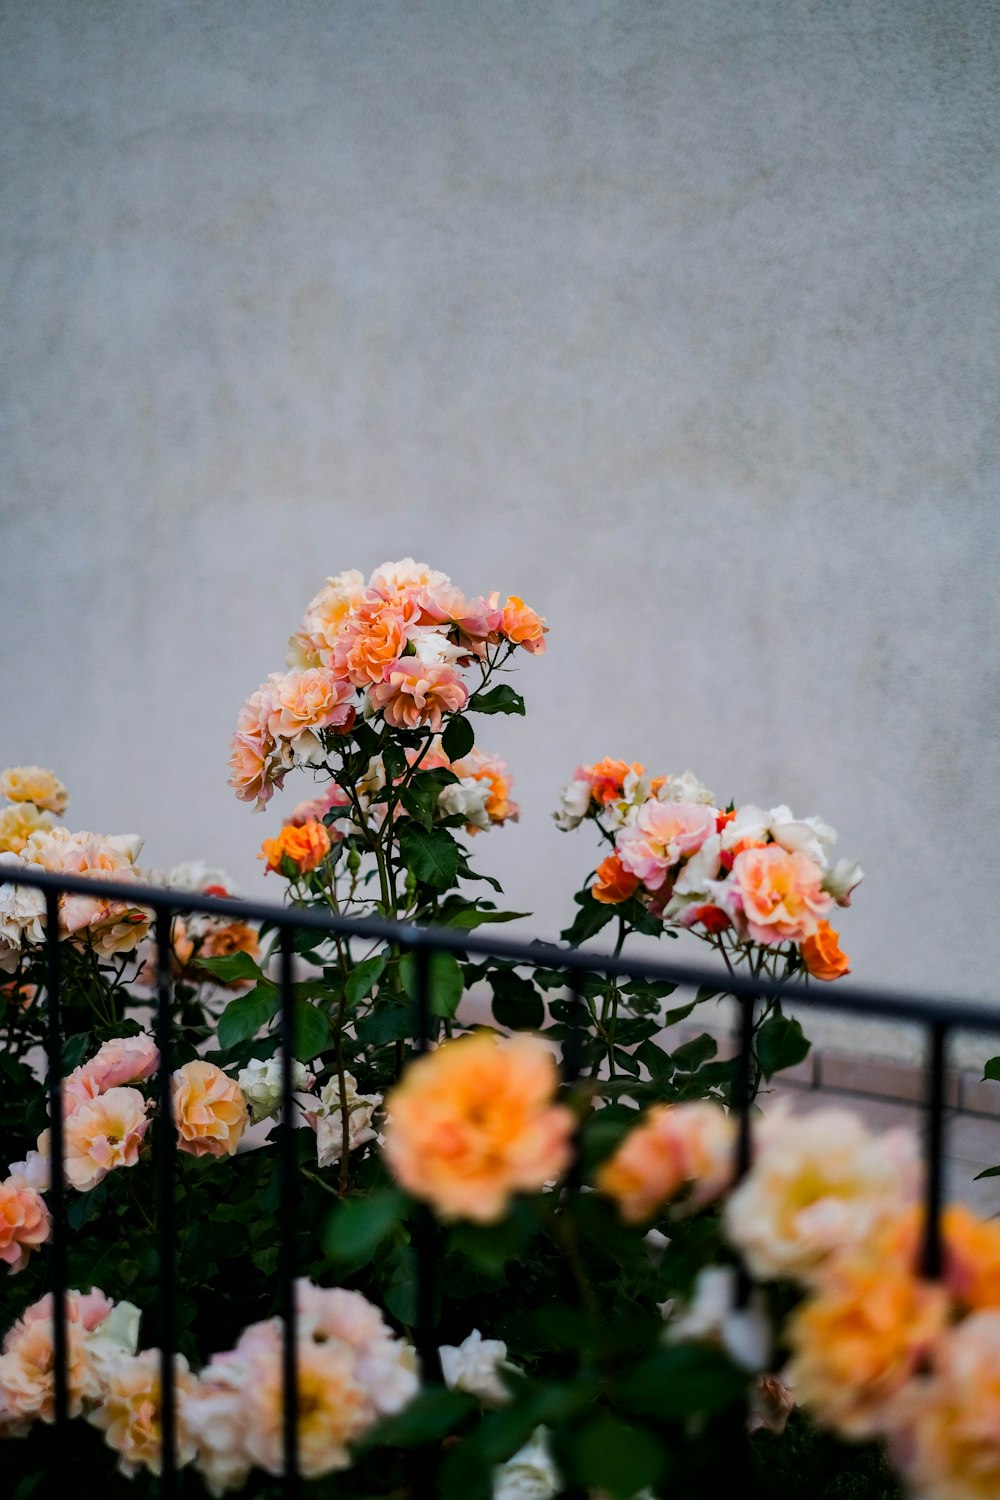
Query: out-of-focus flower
x: 327, y: 1119
x: 17, y: 823
x: 102, y: 1134
x: 683, y: 788
x: 574, y: 804
x: 946, y: 1429
x: 674, y: 1146
x: 35, y: 1169
x: 315, y: 809
x: 304, y: 845
x: 613, y: 883
x: 110, y: 926
x: 712, y: 1317
x: 780, y: 895
x: 34, y: 784
x: 22, y: 916
x: 842, y: 881
x: 531, y: 1474
x: 474, y: 1366
x: 473, y: 1122
x: 97, y: 1332
x: 607, y: 778
x: 809, y: 836
x: 820, y: 1184
x: 822, y: 954
x: 522, y: 626
x: 465, y: 799
x: 260, y: 1085
x: 24, y: 1222
x: 130, y: 1413
x: 860, y: 1339
x: 411, y: 694
x: 209, y: 1110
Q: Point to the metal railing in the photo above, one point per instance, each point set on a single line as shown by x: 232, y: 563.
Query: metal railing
x: 938, y: 1016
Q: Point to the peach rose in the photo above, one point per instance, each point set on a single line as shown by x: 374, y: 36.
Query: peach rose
x: 253, y: 772
x: 662, y: 835
x: 473, y: 1122
x: 946, y: 1429
x: 333, y: 1409
x: 607, y: 778
x: 857, y: 1343
x: 305, y: 845
x: 313, y: 699
x: 970, y: 1253
x: 18, y: 823
x: 780, y: 894
x: 375, y: 636
x: 326, y: 616
x: 522, y: 626
x: 412, y: 694
x: 401, y: 582
x: 24, y: 1222
x: 129, y: 1414
x: 492, y: 772
x: 36, y: 785
x: 209, y: 1110
x: 103, y: 1134
x: 822, y: 954
x: 613, y: 883
x: 674, y: 1146
x: 127, y: 1059
x: 26, y: 1364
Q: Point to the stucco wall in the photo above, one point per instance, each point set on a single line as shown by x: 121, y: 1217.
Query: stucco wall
x: 679, y: 319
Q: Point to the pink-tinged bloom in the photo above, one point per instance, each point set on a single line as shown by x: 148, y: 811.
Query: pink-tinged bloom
x: 313, y: 699
x: 26, y: 1364
x: 780, y: 894
x: 127, y: 1059
x: 475, y: 619
x: 209, y: 1110
x: 675, y: 1146
x: 315, y: 809
x: 109, y: 926
x: 375, y: 635
x: 325, y: 617
x: 412, y: 694
x: 662, y: 835
x: 102, y: 1134
x: 253, y: 773
x: 399, y: 582
x: 24, y: 1222
x: 522, y: 626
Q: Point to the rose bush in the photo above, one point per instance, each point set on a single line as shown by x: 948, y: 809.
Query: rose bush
x: 611, y: 1305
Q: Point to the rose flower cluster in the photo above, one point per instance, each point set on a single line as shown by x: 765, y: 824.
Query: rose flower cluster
x: 397, y: 648
x: 759, y: 877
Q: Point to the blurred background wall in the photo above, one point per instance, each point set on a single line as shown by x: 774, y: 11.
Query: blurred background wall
x: 679, y: 319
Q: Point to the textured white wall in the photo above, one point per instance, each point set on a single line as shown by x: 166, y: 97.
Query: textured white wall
x: 680, y: 319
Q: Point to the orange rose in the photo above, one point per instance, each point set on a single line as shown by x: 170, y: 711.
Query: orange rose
x: 607, y: 778
x: 613, y: 883
x: 522, y: 626
x: 210, y: 1111
x: 305, y: 846
x: 822, y: 954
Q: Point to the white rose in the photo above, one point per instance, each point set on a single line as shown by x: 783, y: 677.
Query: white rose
x: 22, y: 910
x: 115, y: 1337
x: 842, y: 880
x: 684, y: 788
x: 530, y: 1474
x: 433, y: 648
x: 750, y: 823
x: 260, y: 1084
x: 328, y: 1119
x: 574, y: 800
x: 474, y: 1366
x: 466, y: 799
x: 809, y: 836
x: 712, y: 1317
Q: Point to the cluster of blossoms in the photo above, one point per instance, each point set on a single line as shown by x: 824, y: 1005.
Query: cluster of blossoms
x: 201, y: 934
x: 761, y: 877
x: 877, y: 1349
x: 395, y: 647
x: 30, y: 837
x: 352, y: 1370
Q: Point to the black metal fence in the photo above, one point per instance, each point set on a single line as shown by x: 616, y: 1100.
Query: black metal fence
x: 938, y: 1017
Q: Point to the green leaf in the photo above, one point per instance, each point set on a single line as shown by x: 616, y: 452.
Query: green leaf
x: 684, y: 1381
x: 780, y: 1044
x: 233, y: 966
x: 244, y: 1016
x: 356, y: 1228
x: 990, y: 1172
x: 430, y: 1416
x: 592, y: 916
x: 610, y: 1455
x: 992, y: 1070
x: 476, y: 916
x: 458, y: 738
x: 390, y: 1023
x: 499, y: 700
x: 693, y: 1053
x: 516, y: 1003
x: 394, y: 760
x: 432, y: 857
x: 444, y: 981
x: 363, y: 978
x: 311, y: 1030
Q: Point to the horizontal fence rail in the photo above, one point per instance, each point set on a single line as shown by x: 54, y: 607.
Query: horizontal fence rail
x: 937, y: 1015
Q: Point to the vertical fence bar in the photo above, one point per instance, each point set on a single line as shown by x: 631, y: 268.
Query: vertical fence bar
x: 574, y: 1045
x: 289, y: 1198
x: 57, y: 1190
x: 937, y: 1035
x: 425, y: 1237
x: 166, y: 1154
x: 736, y: 1464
